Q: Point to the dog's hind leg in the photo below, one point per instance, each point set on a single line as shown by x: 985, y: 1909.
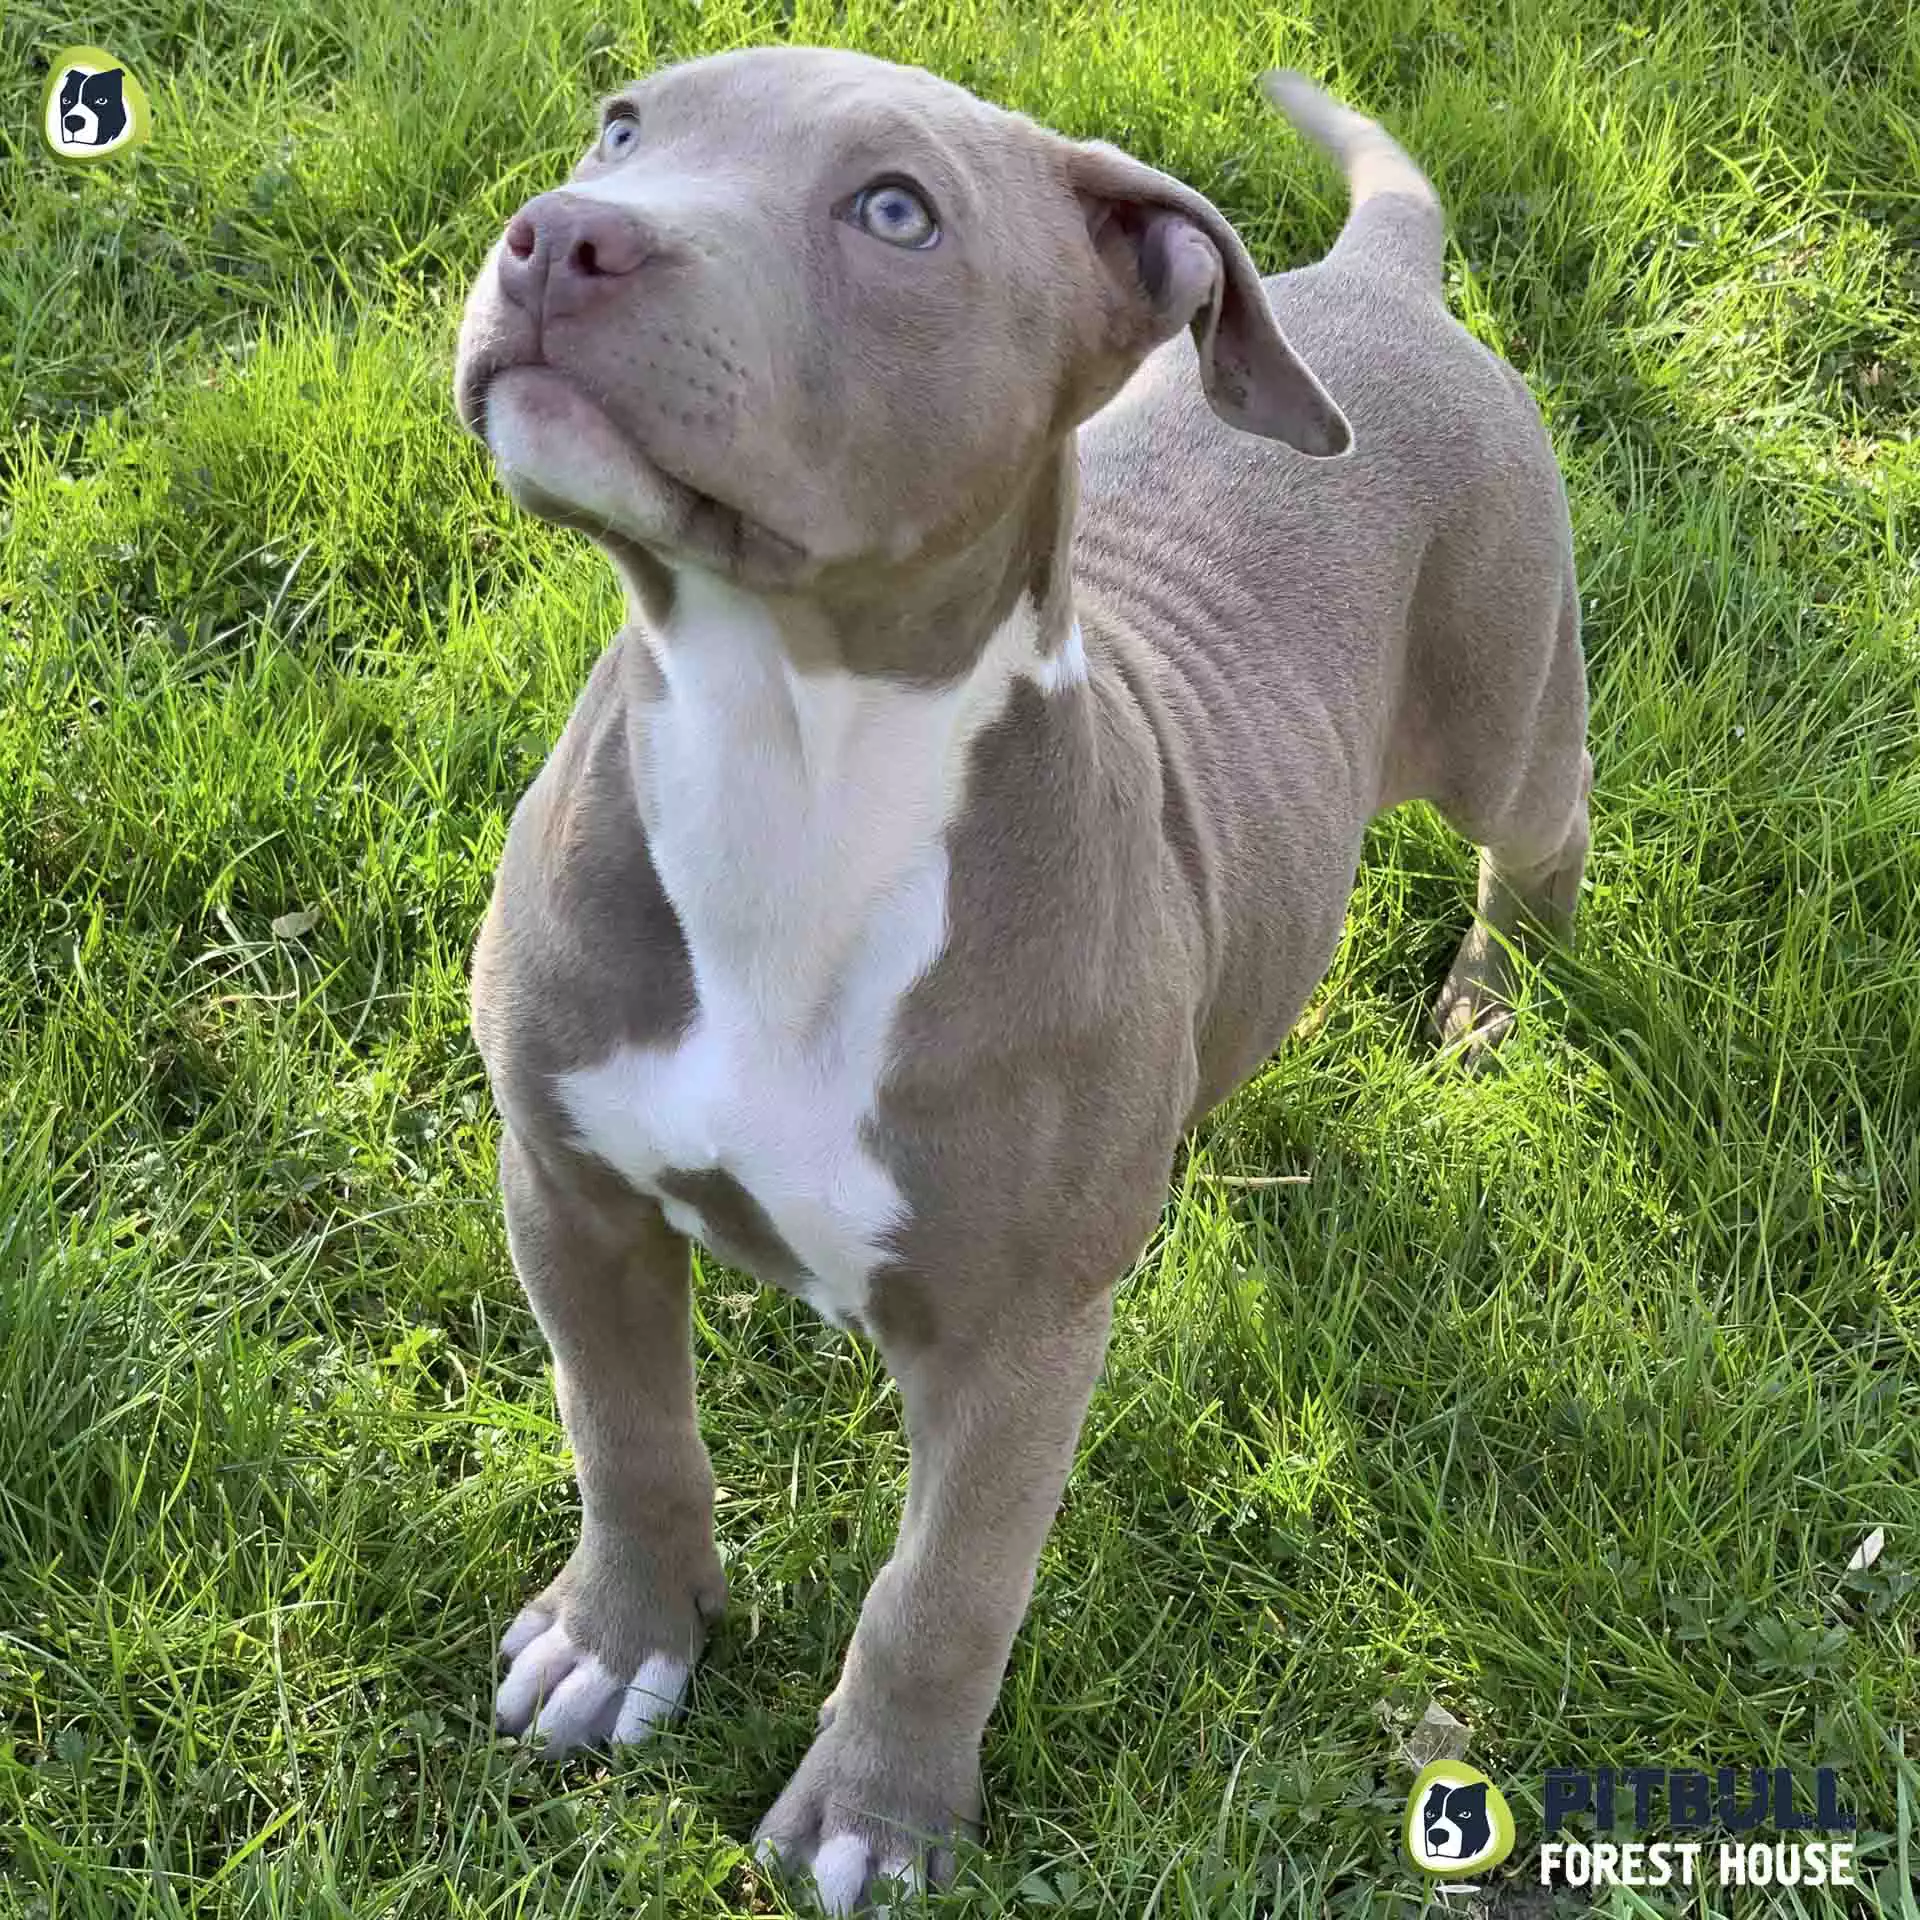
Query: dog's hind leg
x: 1475, y: 1009
x: 1533, y: 853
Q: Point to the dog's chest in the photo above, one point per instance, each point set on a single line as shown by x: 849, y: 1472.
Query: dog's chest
x: 797, y: 823
x: 752, y: 1135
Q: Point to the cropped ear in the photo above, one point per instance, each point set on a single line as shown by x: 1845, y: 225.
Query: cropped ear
x: 1172, y: 260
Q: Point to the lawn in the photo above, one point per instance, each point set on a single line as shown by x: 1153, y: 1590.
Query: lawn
x: 1560, y: 1396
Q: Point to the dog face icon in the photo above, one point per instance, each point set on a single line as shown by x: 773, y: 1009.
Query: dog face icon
x: 94, y: 106
x: 1458, y: 1822
x: 1454, y: 1821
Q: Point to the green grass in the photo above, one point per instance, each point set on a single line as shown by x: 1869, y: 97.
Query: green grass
x: 1560, y: 1396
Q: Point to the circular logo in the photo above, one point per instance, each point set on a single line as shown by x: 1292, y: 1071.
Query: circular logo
x: 94, y: 105
x: 1458, y: 1824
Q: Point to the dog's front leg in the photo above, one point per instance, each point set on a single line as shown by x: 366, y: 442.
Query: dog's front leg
x: 605, y: 1651
x: 893, y: 1773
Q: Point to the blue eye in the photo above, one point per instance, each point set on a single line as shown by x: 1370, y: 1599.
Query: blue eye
x: 893, y: 212
x: 620, y: 134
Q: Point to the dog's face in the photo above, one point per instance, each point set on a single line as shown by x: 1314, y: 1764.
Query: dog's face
x: 93, y: 108
x: 1454, y: 1822
x: 800, y: 310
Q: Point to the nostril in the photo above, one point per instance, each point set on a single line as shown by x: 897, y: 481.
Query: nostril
x: 560, y: 253
x: 602, y: 246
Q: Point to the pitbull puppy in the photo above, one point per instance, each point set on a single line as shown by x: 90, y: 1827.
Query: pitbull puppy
x: 1021, y: 639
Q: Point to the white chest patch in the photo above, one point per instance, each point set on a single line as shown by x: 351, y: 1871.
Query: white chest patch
x: 798, y: 823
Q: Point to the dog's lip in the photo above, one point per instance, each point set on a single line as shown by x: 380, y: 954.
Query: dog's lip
x: 473, y: 385
x: 731, y: 529
x: 489, y: 377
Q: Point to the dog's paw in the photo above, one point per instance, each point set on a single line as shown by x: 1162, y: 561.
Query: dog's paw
x: 568, y: 1697
x: 870, y: 1814
x: 1473, y: 1015
x: 600, y: 1656
x: 1470, y: 1024
x: 852, y: 1872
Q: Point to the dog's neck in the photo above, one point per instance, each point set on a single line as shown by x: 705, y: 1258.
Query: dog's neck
x: 798, y: 763
x: 926, y: 622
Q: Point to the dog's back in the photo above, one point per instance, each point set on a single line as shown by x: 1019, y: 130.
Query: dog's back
x: 1336, y: 636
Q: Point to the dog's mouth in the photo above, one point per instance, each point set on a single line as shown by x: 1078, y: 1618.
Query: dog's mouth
x: 564, y: 456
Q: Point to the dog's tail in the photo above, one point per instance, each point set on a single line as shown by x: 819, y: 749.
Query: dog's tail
x: 1394, y: 218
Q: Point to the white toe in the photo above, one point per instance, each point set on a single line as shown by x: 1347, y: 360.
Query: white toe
x: 654, y: 1693
x: 840, y: 1872
x: 572, y: 1698
x: 905, y: 1868
x: 537, y: 1671
x: 579, y: 1710
x: 528, y: 1625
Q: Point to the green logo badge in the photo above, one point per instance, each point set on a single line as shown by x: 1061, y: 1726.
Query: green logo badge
x: 94, y: 105
x: 1457, y: 1822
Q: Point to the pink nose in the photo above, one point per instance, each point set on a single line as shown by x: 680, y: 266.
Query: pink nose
x: 565, y: 253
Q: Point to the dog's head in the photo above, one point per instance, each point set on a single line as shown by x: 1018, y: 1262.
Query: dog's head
x: 800, y: 310
x: 1454, y: 1821
x: 93, y: 107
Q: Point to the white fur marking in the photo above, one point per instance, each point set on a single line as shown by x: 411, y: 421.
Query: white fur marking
x: 571, y: 1698
x: 580, y: 1709
x: 840, y: 1872
x: 652, y: 1695
x: 798, y: 823
x: 684, y: 1219
x: 905, y: 1868
x: 528, y: 1625
x: 537, y: 1670
x: 1066, y: 665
